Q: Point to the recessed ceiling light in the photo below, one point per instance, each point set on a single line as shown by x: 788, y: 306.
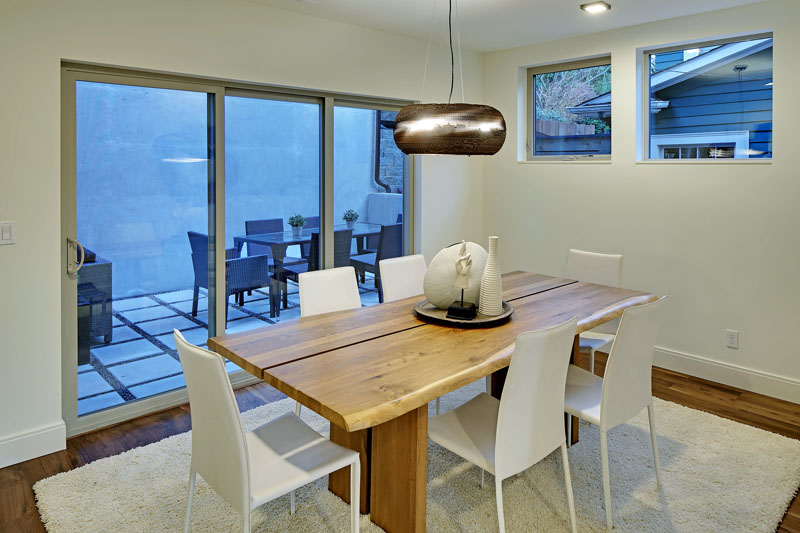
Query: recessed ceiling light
x: 596, y: 7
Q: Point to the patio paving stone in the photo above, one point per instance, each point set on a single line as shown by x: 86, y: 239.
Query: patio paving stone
x: 232, y: 367
x: 117, y: 353
x: 178, y: 296
x: 115, y: 322
x: 123, y: 333
x: 148, y: 313
x: 84, y: 368
x: 166, y: 325
x: 257, y: 306
x: 186, y: 307
x: 233, y: 314
x: 90, y: 383
x: 158, y: 386
x: 195, y: 336
x: 245, y: 324
x: 132, y: 303
x: 95, y: 403
x: 145, y: 370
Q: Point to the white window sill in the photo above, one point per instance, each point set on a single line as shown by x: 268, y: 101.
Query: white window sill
x: 590, y: 161
x: 705, y: 162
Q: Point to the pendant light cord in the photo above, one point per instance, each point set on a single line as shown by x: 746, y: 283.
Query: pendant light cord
x: 460, y: 66
x: 452, y: 60
x: 428, y: 52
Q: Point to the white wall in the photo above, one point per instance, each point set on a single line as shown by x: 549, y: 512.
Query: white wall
x: 234, y: 39
x: 720, y: 239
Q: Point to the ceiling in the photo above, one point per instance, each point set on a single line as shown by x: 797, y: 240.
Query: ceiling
x: 488, y: 25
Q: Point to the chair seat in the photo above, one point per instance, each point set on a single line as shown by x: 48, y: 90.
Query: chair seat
x: 364, y: 260
x: 469, y: 430
x: 583, y: 394
x: 285, y: 453
x: 592, y: 340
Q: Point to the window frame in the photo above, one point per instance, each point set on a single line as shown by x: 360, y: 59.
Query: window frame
x: 645, y: 150
x: 530, y: 109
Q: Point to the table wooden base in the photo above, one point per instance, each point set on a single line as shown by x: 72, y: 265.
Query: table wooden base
x: 339, y: 481
x: 394, y: 470
x: 399, y: 472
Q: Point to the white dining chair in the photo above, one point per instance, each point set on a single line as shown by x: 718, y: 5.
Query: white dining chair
x: 625, y: 388
x: 526, y: 425
x: 602, y: 269
x: 326, y: 291
x: 250, y: 468
x: 402, y: 277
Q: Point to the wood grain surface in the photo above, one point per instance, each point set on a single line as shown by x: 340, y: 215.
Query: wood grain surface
x: 371, y: 382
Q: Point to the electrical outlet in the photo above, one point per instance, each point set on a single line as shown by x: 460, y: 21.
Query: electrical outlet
x: 6, y: 233
x: 732, y: 339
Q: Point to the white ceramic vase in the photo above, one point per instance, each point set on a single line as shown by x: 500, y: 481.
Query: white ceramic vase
x: 491, y: 300
x: 297, y: 232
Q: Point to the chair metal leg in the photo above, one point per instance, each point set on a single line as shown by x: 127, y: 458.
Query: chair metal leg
x: 568, y: 482
x: 498, y: 490
x: 355, y: 494
x: 297, y: 408
x: 489, y: 384
x: 483, y: 478
x: 591, y: 361
x: 438, y: 401
x: 651, y: 415
x: 192, y: 476
x: 606, y: 477
x: 569, y: 430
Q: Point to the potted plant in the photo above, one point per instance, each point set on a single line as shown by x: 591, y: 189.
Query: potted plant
x: 297, y: 222
x: 350, y: 217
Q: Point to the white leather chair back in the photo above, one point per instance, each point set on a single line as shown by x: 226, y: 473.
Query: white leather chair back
x: 402, y: 277
x: 628, y: 376
x: 219, y: 450
x: 594, y: 267
x: 326, y: 291
x: 530, y: 422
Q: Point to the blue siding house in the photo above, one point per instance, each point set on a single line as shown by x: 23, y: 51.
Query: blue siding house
x: 715, y: 102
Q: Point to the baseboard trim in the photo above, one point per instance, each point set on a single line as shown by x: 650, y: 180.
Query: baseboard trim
x: 748, y: 379
x: 33, y: 443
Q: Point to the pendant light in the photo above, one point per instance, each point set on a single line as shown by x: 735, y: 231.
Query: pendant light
x: 449, y: 129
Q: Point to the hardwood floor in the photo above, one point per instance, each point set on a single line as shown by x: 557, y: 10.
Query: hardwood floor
x: 18, y: 511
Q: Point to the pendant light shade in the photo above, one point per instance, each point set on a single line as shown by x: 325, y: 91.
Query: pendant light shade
x: 453, y: 129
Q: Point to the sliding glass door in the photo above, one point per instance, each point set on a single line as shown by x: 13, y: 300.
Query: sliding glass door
x: 272, y: 180
x: 371, y: 177
x: 195, y: 206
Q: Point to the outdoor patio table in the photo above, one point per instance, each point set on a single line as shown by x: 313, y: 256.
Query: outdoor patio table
x: 371, y: 371
x: 281, y: 240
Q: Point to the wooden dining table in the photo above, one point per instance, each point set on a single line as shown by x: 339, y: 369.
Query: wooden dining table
x: 372, y: 371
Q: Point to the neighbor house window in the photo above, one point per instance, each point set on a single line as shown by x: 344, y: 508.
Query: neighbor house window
x: 711, y: 101
x: 571, y: 105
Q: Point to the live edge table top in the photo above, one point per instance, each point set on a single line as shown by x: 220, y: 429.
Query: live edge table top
x: 363, y: 367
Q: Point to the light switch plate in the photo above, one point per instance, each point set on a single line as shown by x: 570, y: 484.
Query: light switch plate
x: 6, y: 233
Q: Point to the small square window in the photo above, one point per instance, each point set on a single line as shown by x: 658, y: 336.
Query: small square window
x: 571, y: 110
x: 712, y: 101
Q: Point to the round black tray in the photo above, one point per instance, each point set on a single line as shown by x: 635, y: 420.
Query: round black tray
x: 430, y: 313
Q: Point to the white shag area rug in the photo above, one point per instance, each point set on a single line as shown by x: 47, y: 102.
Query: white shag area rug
x: 718, y: 475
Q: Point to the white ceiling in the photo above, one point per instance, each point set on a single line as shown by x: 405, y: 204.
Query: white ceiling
x: 488, y: 25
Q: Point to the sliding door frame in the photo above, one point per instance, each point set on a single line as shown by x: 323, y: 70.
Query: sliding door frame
x: 216, y: 89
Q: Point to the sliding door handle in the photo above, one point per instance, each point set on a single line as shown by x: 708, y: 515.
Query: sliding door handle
x: 74, y: 267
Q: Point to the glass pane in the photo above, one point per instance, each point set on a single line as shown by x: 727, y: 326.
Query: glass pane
x: 715, y: 96
x: 272, y: 173
x: 142, y: 182
x: 573, y: 112
x: 369, y: 176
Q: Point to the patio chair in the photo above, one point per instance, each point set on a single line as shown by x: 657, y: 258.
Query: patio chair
x: 390, y: 244
x: 341, y: 257
x: 241, y: 273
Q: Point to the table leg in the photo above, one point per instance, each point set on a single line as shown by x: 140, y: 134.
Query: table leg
x: 576, y: 348
x: 498, y: 380
x: 399, y: 472
x: 339, y: 481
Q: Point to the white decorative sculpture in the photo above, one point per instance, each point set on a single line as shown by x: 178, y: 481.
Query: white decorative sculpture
x: 441, y: 284
x: 463, y: 265
x: 491, y: 298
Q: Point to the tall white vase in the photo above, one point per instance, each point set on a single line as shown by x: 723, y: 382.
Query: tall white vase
x: 491, y: 300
